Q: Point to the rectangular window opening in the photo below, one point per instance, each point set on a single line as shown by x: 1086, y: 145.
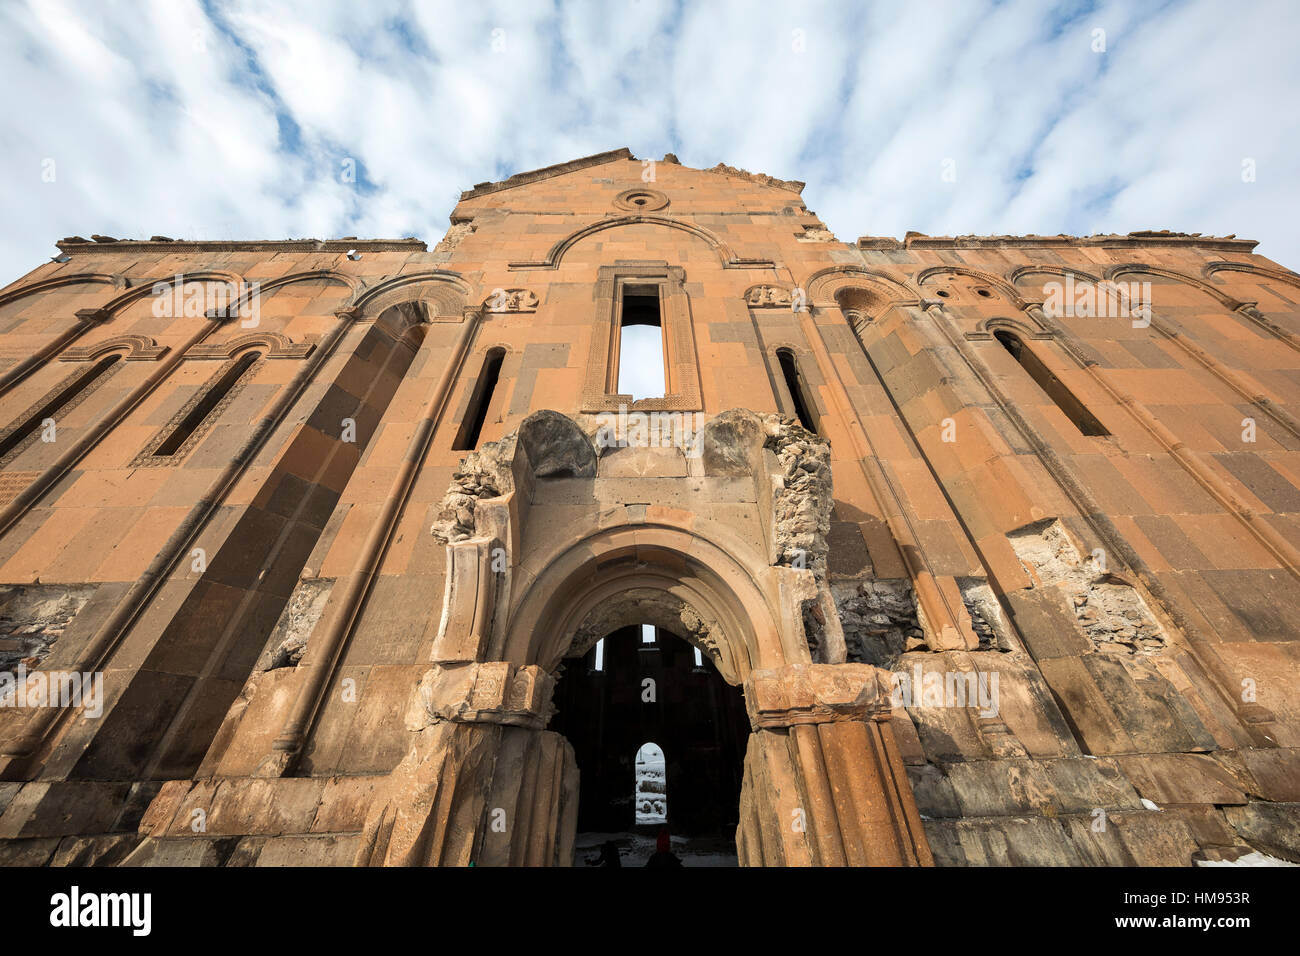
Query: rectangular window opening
x: 794, y: 385
x: 480, y: 401
x: 204, y: 406
x: 18, y: 434
x: 1070, y: 406
x: 641, y: 371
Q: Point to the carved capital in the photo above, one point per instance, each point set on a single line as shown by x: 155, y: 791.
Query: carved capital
x: 816, y: 694
x: 492, y: 692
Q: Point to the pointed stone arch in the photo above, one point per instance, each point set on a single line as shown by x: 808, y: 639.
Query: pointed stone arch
x: 656, y: 574
x: 726, y: 255
x: 434, y: 295
x: 1002, y: 285
x: 1043, y: 268
x: 277, y: 346
x: 1138, y: 268
x: 135, y: 348
x: 1277, y: 275
x: 116, y: 280
x: 825, y: 284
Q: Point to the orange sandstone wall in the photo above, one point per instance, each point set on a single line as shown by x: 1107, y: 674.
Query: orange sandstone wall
x: 968, y: 506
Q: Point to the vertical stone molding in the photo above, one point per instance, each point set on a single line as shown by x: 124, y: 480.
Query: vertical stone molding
x: 824, y: 782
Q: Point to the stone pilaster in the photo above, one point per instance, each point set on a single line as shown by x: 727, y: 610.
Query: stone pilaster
x: 482, y: 784
x: 824, y: 782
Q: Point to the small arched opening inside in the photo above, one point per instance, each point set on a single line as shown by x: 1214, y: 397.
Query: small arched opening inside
x: 650, y: 796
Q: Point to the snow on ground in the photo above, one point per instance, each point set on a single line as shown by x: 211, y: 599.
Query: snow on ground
x: 1254, y: 858
x: 635, y: 848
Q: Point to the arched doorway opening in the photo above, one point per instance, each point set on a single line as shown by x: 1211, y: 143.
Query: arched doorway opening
x: 650, y: 797
x: 715, y: 622
x: 659, y: 739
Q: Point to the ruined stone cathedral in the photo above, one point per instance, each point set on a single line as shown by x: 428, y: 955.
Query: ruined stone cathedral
x: 933, y: 551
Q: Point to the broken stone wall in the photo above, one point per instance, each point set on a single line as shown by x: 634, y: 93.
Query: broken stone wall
x: 33, y: 617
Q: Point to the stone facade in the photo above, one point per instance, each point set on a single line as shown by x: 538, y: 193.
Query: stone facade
x: 327, y: 521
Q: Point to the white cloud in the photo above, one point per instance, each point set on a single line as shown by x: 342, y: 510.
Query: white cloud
x: 197, y: 120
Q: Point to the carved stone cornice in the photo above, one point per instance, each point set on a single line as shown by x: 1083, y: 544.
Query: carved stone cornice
x: 816, y: 694
x: 492, y: 692
x: 76, y: 244
x: 722, y: 169
x: 1135, y: 240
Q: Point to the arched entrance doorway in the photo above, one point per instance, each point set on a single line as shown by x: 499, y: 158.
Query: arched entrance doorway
x: 546, y: 558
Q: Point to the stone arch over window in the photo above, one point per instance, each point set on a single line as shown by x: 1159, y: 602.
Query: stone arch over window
x: 872, y: 291
x: 436, y: 295
x: 275, y: 346
x: 134, y: 348
x: 726, y: 254
x: 934, y: 275
x: 1024, y: 325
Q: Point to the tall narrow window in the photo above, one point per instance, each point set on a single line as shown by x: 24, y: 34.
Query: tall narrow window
x: 1072, y: 408
x: 204, y: 406
x: 641, y: 343
x: 74, y: 388
x: 794, y: 385
x: 476, y: 412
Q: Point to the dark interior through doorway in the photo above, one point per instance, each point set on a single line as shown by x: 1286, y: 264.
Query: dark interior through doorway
x: 643, y: 686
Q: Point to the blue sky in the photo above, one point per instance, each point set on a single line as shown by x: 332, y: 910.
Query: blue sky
x: 241, y: 120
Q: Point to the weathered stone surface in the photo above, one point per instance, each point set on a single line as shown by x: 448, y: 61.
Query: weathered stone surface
x: 816, y: 693
x: 1109, y: 611
x: 1273, y: 828
x: 879, y: 620
x: 890, y: 454
x: 32, y: 618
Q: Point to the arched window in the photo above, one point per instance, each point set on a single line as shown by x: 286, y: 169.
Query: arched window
x: 651, y: 797
x: 204, y: 407
x: 476, y: 411
x: 71, y: 390
x: 803, y: 409
x: 1072, y: 408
